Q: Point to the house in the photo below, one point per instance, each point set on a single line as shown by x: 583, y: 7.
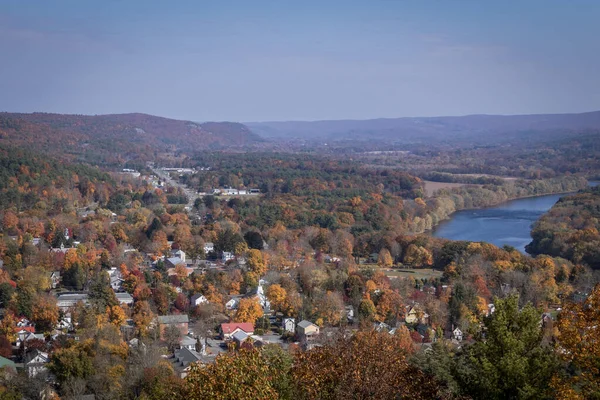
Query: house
x: 307, y: 329
x: 35, y: 363
x: 23, y: 322
x: 181, y: 255
x: 232, y: 304
x: 239, y: 337
x: 116, y: 280
x: 124, y: 298
x: 229, y: 329
x: 457, y: 334
x: 61, y: 249
x: 68, y: 300
x: 55, y: 279
x: 179, y: 320
x: 198, y: 299
x: 188, y: 343
x: 381, y: 327
x: 183, y: 358
x: 288, y: 325
x: 64, y: 324
x: 415, y: 316
x: 227, y: 256
x: 209, y: 247
x: 172, y: 262
x: 24, y: 336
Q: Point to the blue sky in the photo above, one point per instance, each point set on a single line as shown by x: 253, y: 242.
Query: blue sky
x: 299, y: 60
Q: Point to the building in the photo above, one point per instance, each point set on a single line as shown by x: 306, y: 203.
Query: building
x: 227, y: 256
x: 209, y: 247
x: 181, y: 321
x: 188, y: 343
x: 457, y: 334
x: 198, y: 299
x: 288, y: 324
x: 228, y: 330
x: 124, y: 298
x: 35, y: 363
x: 183, y: 358
x: 68, y: 300
x: 239, y: 337
x: 307, y: 329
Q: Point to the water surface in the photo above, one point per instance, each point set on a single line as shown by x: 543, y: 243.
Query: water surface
x: 506, y: 224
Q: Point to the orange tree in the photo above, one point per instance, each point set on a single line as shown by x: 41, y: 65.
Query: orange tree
x: 578, y: 345
x: 368, y: 365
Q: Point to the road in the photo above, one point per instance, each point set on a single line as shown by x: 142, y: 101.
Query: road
x: 165, y: 177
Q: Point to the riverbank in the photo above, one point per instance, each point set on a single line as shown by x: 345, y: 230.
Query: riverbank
x: 449, y: 201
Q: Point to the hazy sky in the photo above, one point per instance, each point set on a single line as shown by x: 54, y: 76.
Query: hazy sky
x: 256, y: 60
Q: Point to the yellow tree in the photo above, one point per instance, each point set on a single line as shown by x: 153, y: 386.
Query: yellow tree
x: 44, y: 313
x: 277, y: 297
x: 142, y: 316
x: 578, y: 343
x: 248, y: 311
x: 256, y: 262
x: 7, y: 326
x: 116, y: 315
x: 385, y: 258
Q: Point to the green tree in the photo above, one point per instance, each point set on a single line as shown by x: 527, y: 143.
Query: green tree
x: 510, y: 361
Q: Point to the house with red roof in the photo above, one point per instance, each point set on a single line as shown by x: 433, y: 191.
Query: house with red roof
x: 230, y: 329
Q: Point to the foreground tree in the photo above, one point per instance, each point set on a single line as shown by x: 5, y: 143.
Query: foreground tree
x: 368, y: 365
x: 243, y: 376
x: 510, y: 361
x: 578, y: 344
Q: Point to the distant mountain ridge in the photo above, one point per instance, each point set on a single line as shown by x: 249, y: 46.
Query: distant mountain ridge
x: 121, y: 136
x: 411, y: 128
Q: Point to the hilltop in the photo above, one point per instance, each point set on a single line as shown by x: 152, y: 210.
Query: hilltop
x: 109, y: 139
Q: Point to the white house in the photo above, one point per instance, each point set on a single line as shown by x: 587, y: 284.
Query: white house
x: 198, y: 299
x: 289, y: 325
x: 209, y: 247
x: 457, y: 334
x: 232, y: 304
x: 227, y: 256
x: 35, y: 363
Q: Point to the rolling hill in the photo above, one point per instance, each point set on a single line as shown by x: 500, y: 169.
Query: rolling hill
x: 110, y: 139
x: 488, y: 128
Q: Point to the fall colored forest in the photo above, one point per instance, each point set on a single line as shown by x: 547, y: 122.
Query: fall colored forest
x: 315, y: 278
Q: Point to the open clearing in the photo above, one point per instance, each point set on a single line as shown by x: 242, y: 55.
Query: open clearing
x: 432, y: 187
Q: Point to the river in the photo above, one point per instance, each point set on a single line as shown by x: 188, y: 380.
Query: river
x: 508, y: 223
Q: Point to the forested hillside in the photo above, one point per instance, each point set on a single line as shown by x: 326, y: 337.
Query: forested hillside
x: 31, y: 181
x: 570, y: 229
x: 116, y: 139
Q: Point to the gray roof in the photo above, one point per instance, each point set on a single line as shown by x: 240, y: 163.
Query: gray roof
x: 123, y: 296
x: 173, y: 319
x: 305, y: 324
x: 240, y: 336
x: 187, y: 341
x: 73, y: 296
x: 186, y: 356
